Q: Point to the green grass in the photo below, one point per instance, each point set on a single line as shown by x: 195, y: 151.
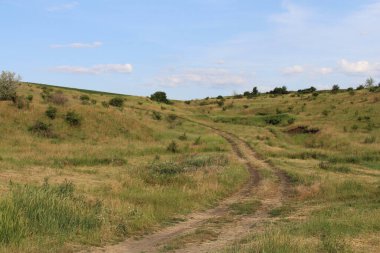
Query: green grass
x: 127, y: 183
x: 52, y: 211
x: 245, y: 208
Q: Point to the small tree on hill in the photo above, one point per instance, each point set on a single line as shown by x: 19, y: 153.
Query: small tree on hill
x: 8, y: 85
x: 159, y: 96
x: 279, y: 90
x: 369, y: 82
x: 335, y: 89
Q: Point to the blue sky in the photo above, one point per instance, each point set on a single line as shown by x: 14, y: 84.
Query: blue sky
x: 191, y: 48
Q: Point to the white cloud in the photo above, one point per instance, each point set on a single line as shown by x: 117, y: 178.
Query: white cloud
x: 293, y: 14
x: 96, y: 69
x: 63, y: 7
x: 213, y: 77
x: 324, y: 71
x: 78, y: 45
x: 358, y: 67
x: 296, y: 69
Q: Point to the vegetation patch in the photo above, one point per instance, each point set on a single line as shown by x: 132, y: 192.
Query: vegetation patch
x: 47, y: 211
x: 303, y: 130
x: 88, y: 162
x: 257, y: 120
x: 245, y: 208
x: 42, y: 129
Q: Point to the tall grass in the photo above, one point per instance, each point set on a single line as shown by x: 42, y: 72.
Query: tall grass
x: 47, y: 210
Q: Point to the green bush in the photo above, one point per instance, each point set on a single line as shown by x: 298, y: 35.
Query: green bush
x: 73, y: 118
x: 117, y: 102
x: 85, y: 99
x: 273, y: 120
x: 51, y: 112
x: 156, y: 115
x: 29, y: 98
x: 160, y: 97
x: 41, y: 129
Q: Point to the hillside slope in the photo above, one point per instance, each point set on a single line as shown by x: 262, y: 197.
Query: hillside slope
x: 82, y: 169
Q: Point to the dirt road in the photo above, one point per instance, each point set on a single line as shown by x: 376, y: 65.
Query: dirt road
x: 211, y: 230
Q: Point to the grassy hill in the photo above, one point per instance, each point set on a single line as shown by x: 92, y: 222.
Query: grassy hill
x: 87, y: 173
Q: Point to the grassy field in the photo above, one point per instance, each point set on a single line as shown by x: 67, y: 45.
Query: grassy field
x: 91, y: 174
x: 329, y: 147
x: 116, y: 174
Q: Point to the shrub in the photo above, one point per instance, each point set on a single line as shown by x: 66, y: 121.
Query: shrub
x: 29, y: 98
x: 220, y: 103
x: 41, y: 129
x: 58, y: 98
x: 273, y: 120
x: 73, y: 119
x: 160, y: 97
x: 188, y: 102
x: 172, y: 147
x: 51, y: 112
x: 117, y: 102
x: 105, y: 104
x: 8, y: 85
x: 171, y: 117
x: 219, y: 97
x: 93, y: 101
x: 156, y: 116
x: 360, y: 87
x: 85, y: 99
x: 291, y: 121
x: 21, y: 102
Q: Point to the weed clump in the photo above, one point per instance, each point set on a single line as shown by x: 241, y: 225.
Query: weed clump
x: 117, y: 102
x: 51, y: 112
x: 41, y: 129
x: 183, y: 137
x: 85, y: 99
x: 172, y: 147
x: 156, y: 115
x: 73, y: 118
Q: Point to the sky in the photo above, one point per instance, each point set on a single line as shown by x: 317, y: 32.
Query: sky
x: 191, y: 48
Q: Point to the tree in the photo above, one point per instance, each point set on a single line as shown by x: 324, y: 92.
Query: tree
x: 8, y: 85
x: 255, y: 91
x: 279, y: 90
x: 159, y: 96
x: 335, y: 89
x: 369, y: 82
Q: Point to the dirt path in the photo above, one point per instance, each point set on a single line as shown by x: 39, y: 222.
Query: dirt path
x: 215, y: 228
